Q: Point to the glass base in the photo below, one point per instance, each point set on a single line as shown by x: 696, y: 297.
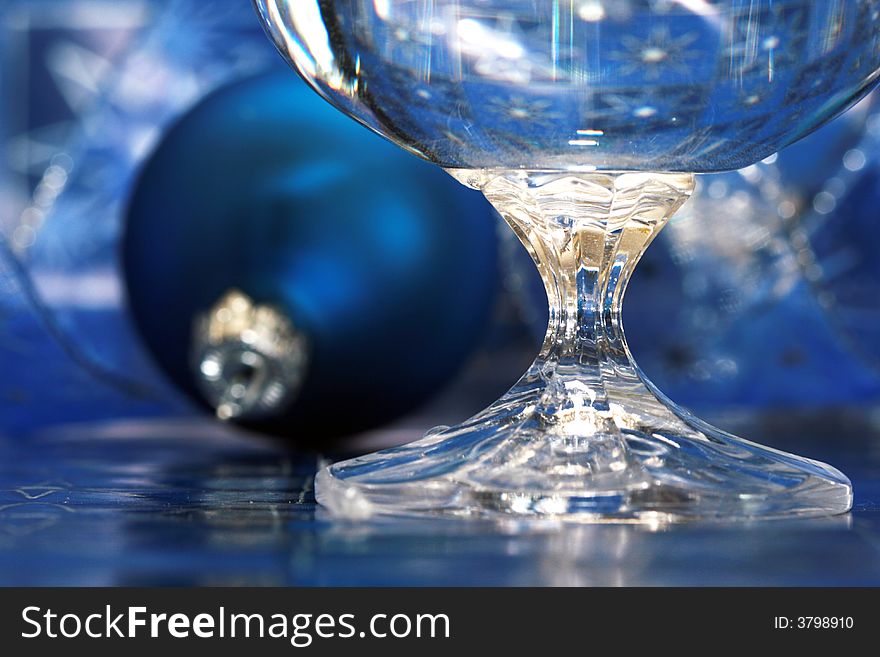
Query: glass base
x: 640, y: 460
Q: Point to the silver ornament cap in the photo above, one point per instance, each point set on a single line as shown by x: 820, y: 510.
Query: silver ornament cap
x: 249, y: 359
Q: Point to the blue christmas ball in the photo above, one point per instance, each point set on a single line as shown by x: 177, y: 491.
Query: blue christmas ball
x: 382, y: 262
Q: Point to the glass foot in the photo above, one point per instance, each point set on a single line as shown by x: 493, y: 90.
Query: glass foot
x: 541, y: 452
x: 584, y: 435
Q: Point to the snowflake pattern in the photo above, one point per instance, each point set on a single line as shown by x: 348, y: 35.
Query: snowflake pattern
x: 814, y: 79
x: 753, y: 53
x: 869, y: 15
x: 641, y: 107
x: 656, y: 54
x: 702, y: 143
x: 519, y: 108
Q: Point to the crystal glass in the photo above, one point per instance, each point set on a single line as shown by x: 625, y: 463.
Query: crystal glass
x: 584, y: 122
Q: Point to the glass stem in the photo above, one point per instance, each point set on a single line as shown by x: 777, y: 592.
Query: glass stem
x: 586, y: 232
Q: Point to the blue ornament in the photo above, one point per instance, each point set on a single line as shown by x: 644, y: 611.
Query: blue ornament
x: 383, y: 265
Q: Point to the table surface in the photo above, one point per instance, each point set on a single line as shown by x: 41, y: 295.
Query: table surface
x: 182, y: 502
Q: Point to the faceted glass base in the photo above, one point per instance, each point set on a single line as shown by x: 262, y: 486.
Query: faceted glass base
x: 535, y: 453
x: 584, y: 436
